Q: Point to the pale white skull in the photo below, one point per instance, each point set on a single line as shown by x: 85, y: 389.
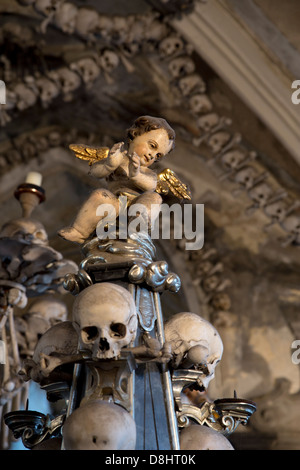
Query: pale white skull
x: 42, y: 315
x: 192, y: 84
x: 197, y: 437
x: 87, y: 21
x: 25, y: 96
x: 208, y: 121
x: 46, y: 7
x: 246, y: 176
x: 26, y: 230
x: 260, y: 194
x: 276, y: 210
x: 200, y: 104
x: 218, y: 140
x: 108, y: 60
x: 106, y: 316
x: 195, y: 343
x: 48, y: 90
x: 170, y: 46
x: 99, y: 425
x: 58, y: 342
x: 87, y: 69
x: 232, y: 159
x: 65, y: 17
x: 181, y: 66
x: 67, y: 80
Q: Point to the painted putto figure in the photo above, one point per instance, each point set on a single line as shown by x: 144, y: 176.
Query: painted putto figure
x: 126, y: 169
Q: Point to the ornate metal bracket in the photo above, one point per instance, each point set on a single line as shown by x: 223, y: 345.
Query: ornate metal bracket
x: 223, y: 415
x: 33, y: 427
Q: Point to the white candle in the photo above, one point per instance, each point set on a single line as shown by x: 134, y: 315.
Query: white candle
x: 34, y: 177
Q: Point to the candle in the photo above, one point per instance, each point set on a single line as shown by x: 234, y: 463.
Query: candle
x: 34, y: 177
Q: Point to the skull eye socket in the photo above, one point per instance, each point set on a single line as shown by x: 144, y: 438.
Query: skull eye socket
x: 118, y: 330
x: 89, y: 334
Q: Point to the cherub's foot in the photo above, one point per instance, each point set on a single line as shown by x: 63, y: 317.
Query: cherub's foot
x: 71, y: 234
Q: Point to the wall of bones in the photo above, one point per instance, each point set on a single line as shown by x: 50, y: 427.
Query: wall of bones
x: 81, y: 72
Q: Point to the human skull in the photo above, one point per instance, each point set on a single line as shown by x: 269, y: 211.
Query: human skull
x: 87, y: 21
x: 42, y: 315
x: 232, y: 159
x: 87, y: 69
x: 246, y: 176
x: 195, y: 343
x: 46, y: 7
x: 171, y: 46
x: 108, y: 60
x: 65, y: 17
x: 260, y: 194
x: 58, y: 342
x: 48, y: 90
x: 99, y: 425
x: 191, y: 84
x: 218, y: 140
x: 181, y: 66
x: 67, y: 80
x: 200, y: 104
x: 25, y: 230
x: 207, y: 122
x: 198, y: 437
x: 25, y: 96
x: 106, y: 318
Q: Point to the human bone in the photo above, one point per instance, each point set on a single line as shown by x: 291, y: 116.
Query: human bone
x: 46, y: 7
x: 48, y: 90
x: 106, y: 316
x: 42, y: 315
x: 192, y: 84
x: 87, y: 68
x: 57, y: 343
x: 65, y: 17
x: 67, y: 80
x: 200, y: 103
x: 291, y: 224
x: 99, y: 425
x: 25, y: 96
x: 181, y: 66
x: 87, y: 21
x: 171, y: 46
x: 208, y: 121
x: 108, y: 60
x: 198, y: 437
x: 26, y: 230
x: 195, y: 343
x: 218, y: 140
x: 246, y: 176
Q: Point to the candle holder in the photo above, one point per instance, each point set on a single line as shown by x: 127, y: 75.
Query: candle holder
x: 30, y: 196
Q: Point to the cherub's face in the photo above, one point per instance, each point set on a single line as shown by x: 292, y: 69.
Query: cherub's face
x: 151, y: 146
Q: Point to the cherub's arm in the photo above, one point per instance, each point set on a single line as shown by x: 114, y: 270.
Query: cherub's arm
x: 106, y: 166
x: 146, y: 180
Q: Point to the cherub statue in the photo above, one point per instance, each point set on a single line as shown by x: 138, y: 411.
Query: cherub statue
x: 126, y: 169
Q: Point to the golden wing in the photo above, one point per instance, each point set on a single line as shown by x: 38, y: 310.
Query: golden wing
x: 92, y: 154
x: 169, y: 181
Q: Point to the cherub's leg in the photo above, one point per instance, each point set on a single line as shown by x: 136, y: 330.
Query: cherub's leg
x: 152, y: 202
x: 87, y: 219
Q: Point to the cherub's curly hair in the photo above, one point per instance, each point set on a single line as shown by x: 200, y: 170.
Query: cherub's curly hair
x: 148, y: 123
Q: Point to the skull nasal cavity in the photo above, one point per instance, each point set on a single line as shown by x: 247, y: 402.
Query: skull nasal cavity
x: 103, y: 344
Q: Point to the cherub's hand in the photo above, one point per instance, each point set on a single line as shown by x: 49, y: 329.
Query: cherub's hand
x: 116, y: 148
x: 115, y: 152
x: 134, y: 165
